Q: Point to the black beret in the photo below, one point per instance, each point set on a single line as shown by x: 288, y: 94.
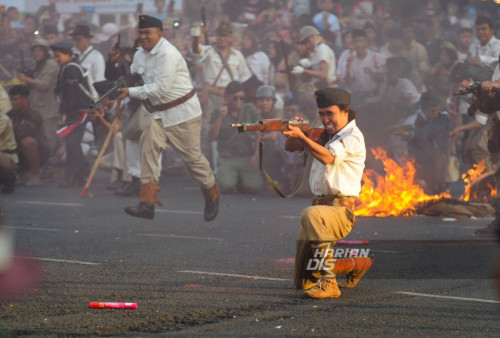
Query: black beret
x: 102, y: 87
x: 327, y: 97
x: 146, y: 21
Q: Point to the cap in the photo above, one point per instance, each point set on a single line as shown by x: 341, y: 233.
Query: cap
x: 146, y: 21
x: 265, y: 91
x: 306, y: 32
x: 224, y: 28
x: 82, y: 30
x: 327, y: 97
x: 448, y: 45
x: 62, y: 45
x: 108, y: 30
x: 40, y: 42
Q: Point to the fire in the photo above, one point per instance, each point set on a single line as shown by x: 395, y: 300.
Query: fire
x: 474, y: 176
x: 396, y: 194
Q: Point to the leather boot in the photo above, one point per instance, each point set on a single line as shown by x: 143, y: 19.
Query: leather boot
x: 324, y: 288
x: 211, y: 203
x: 132, y: 188
x: 147, y: 201
x: 355, y: 268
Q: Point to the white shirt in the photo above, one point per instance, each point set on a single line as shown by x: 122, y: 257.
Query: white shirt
x: 166, y: 78
x: 361, y: 81
x: 93, y: 62
x: 343, y: 176
x: 213, y: 64
x: 324, y: 53
x: 260, y: 65
x: 487, y: 53
x: 401, y: 89
x: 342, y: 65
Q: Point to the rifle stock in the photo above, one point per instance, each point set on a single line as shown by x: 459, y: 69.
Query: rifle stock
x: 318, y: 135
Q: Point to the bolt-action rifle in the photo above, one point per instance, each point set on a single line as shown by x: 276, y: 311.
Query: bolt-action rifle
x: 318, y: 135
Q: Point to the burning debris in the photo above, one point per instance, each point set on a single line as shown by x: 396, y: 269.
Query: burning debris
x: 397, y: 193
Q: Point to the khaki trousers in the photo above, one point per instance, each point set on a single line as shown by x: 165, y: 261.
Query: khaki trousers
x: 321, y: 227
x: 185, y: 138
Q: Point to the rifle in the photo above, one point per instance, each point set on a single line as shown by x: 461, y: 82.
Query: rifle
x: 290, y: 78
x: 204, y: 21
x: 121, y: 82
x: 318, y: 135
x: 487, y: 103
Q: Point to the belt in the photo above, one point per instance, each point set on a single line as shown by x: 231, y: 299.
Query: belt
x: 334, y: 200
x: 11, y: 151
x: 171, y: 104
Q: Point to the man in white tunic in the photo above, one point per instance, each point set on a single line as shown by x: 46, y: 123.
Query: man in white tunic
x: 335, y: 181
x: 175, y: 118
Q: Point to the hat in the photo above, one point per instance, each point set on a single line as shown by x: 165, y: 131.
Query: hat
x: 82, y: 30
x: 448, y: 45
x: 327, y: 97
x: 102, y: 87
x: 108, y: 30
x: 49, y: 29
x: 265, y: 91
x: 146, y: 21
x: 306, y: 32
x: 62, y: 45
x: 224, y: 28
x: 40, y: 42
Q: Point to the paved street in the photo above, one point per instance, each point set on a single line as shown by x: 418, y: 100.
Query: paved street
x: 234, y: 276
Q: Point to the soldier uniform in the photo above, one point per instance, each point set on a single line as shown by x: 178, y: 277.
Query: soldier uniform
x: 335, y: 181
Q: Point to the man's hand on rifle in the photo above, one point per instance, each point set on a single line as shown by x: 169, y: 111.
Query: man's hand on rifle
x: 123, y: 93
x: 294, y: 132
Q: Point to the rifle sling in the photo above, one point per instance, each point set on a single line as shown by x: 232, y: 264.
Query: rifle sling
x: 270, y: 179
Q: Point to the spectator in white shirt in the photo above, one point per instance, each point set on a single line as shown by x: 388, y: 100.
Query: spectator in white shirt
x: 88, y: 57
x: 486, y: 48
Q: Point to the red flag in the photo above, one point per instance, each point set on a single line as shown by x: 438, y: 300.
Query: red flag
x: 66, y: 130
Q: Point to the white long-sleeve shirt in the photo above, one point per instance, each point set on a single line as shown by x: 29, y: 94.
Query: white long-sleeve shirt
x: 343, y: 176
x: 487, y: 53
x: 166, y: 78
x: 213, y: 64
x: 94, y: 63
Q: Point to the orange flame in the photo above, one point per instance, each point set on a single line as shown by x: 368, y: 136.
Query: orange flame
x: 473, y: 174
x: 396, y: 194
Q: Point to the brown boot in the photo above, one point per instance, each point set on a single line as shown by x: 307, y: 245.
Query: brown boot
x: 358, y: 266
x: 211, y: 203
x: 324, y: 288
x: 147, y: 201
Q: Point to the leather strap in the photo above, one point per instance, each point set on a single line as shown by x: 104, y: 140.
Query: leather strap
x: 271, y: 181
x: 334, y: 200
x: 164, y: 106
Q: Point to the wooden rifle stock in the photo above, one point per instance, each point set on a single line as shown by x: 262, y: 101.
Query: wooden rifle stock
x: 318, y: 135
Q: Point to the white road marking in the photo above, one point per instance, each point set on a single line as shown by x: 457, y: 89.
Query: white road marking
x: 384, y: 251
x: 58, y: 260
x: 51, y: 203
x: 234, y: 275
x: 449, y: 297
x: 187, y: 212
x: 182, y: 236
x: 31, y: 228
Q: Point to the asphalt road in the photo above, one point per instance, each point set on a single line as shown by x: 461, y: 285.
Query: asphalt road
x: 234, y: 276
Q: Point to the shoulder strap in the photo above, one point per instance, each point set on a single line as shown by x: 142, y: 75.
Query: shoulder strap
x: 225, y: 65
x: 86, y: 54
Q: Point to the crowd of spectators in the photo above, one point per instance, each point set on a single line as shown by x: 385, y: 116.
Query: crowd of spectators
x: 253, y: 59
